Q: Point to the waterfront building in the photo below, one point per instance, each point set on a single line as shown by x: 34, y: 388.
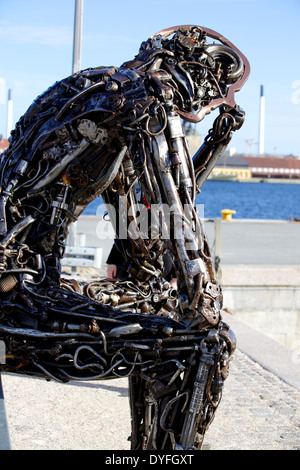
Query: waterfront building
x: 274, y: 167
x: 244, y: 167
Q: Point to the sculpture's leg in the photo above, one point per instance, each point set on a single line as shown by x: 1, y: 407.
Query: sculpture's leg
x: 172, y: 406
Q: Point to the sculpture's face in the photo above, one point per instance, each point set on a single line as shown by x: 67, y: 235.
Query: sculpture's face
x: 202, y: 71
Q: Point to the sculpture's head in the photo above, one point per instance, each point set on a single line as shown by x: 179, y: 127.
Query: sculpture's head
x: 205, y: 75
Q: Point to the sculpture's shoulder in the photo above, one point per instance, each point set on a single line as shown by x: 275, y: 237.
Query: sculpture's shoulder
x: 49, y: 102
x: 71, y: 85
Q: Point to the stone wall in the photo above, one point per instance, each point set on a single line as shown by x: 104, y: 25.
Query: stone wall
x: 267, y: 298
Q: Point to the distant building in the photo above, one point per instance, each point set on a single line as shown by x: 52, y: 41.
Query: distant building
x: 3, y: 144
x: 231, y: 168
x: 274, y: 167
x: 244, y: 167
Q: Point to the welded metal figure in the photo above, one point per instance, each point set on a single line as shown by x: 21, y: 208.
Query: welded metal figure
x: 118, y: 132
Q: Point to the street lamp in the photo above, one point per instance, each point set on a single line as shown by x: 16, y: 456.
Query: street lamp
x: 77, y: 36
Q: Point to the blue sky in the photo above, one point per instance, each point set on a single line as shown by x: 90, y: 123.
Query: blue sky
x: 36, y: 40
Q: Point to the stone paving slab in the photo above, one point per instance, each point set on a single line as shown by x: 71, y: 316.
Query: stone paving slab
x: 45, y: 415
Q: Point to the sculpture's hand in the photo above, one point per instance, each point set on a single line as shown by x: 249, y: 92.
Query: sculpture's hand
x: 111, y: 271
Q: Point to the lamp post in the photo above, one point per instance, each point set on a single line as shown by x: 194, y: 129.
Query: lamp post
x: 77, y: 36
x: 76, y: 67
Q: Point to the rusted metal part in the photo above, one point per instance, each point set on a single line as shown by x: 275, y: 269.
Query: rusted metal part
x: 118, y: 132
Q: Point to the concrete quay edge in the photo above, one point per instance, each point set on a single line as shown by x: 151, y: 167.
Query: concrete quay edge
x: 271, y: 355
x: 247, y: 275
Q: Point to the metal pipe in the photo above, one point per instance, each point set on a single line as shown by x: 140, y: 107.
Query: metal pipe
x: 21, y: 225
x: 59, y: 167
x: 217, y: 153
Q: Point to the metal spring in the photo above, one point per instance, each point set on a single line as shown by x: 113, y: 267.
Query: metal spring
x: 7, y: 283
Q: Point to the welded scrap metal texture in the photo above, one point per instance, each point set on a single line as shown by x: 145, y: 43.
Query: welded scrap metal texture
x: 119, y: 133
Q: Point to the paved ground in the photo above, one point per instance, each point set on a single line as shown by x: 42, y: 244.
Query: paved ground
x: 260, y: 242
x: 242, y: 241
x: 259, y: 409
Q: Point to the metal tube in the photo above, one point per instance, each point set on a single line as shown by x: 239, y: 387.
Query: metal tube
x: 261, y: 140
x: 59, y: 167
x: 9, y: 115
x: 217, y: 153
x: 160, y: 154
x: 21, y: 225
x: 196, y: 402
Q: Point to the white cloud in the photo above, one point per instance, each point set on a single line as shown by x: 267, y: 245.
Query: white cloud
x: 47, y: 36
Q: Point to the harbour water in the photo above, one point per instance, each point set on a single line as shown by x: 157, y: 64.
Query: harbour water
x: 271, y: 201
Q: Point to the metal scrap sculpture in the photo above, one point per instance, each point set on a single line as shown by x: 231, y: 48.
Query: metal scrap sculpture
x: 103, y: 131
